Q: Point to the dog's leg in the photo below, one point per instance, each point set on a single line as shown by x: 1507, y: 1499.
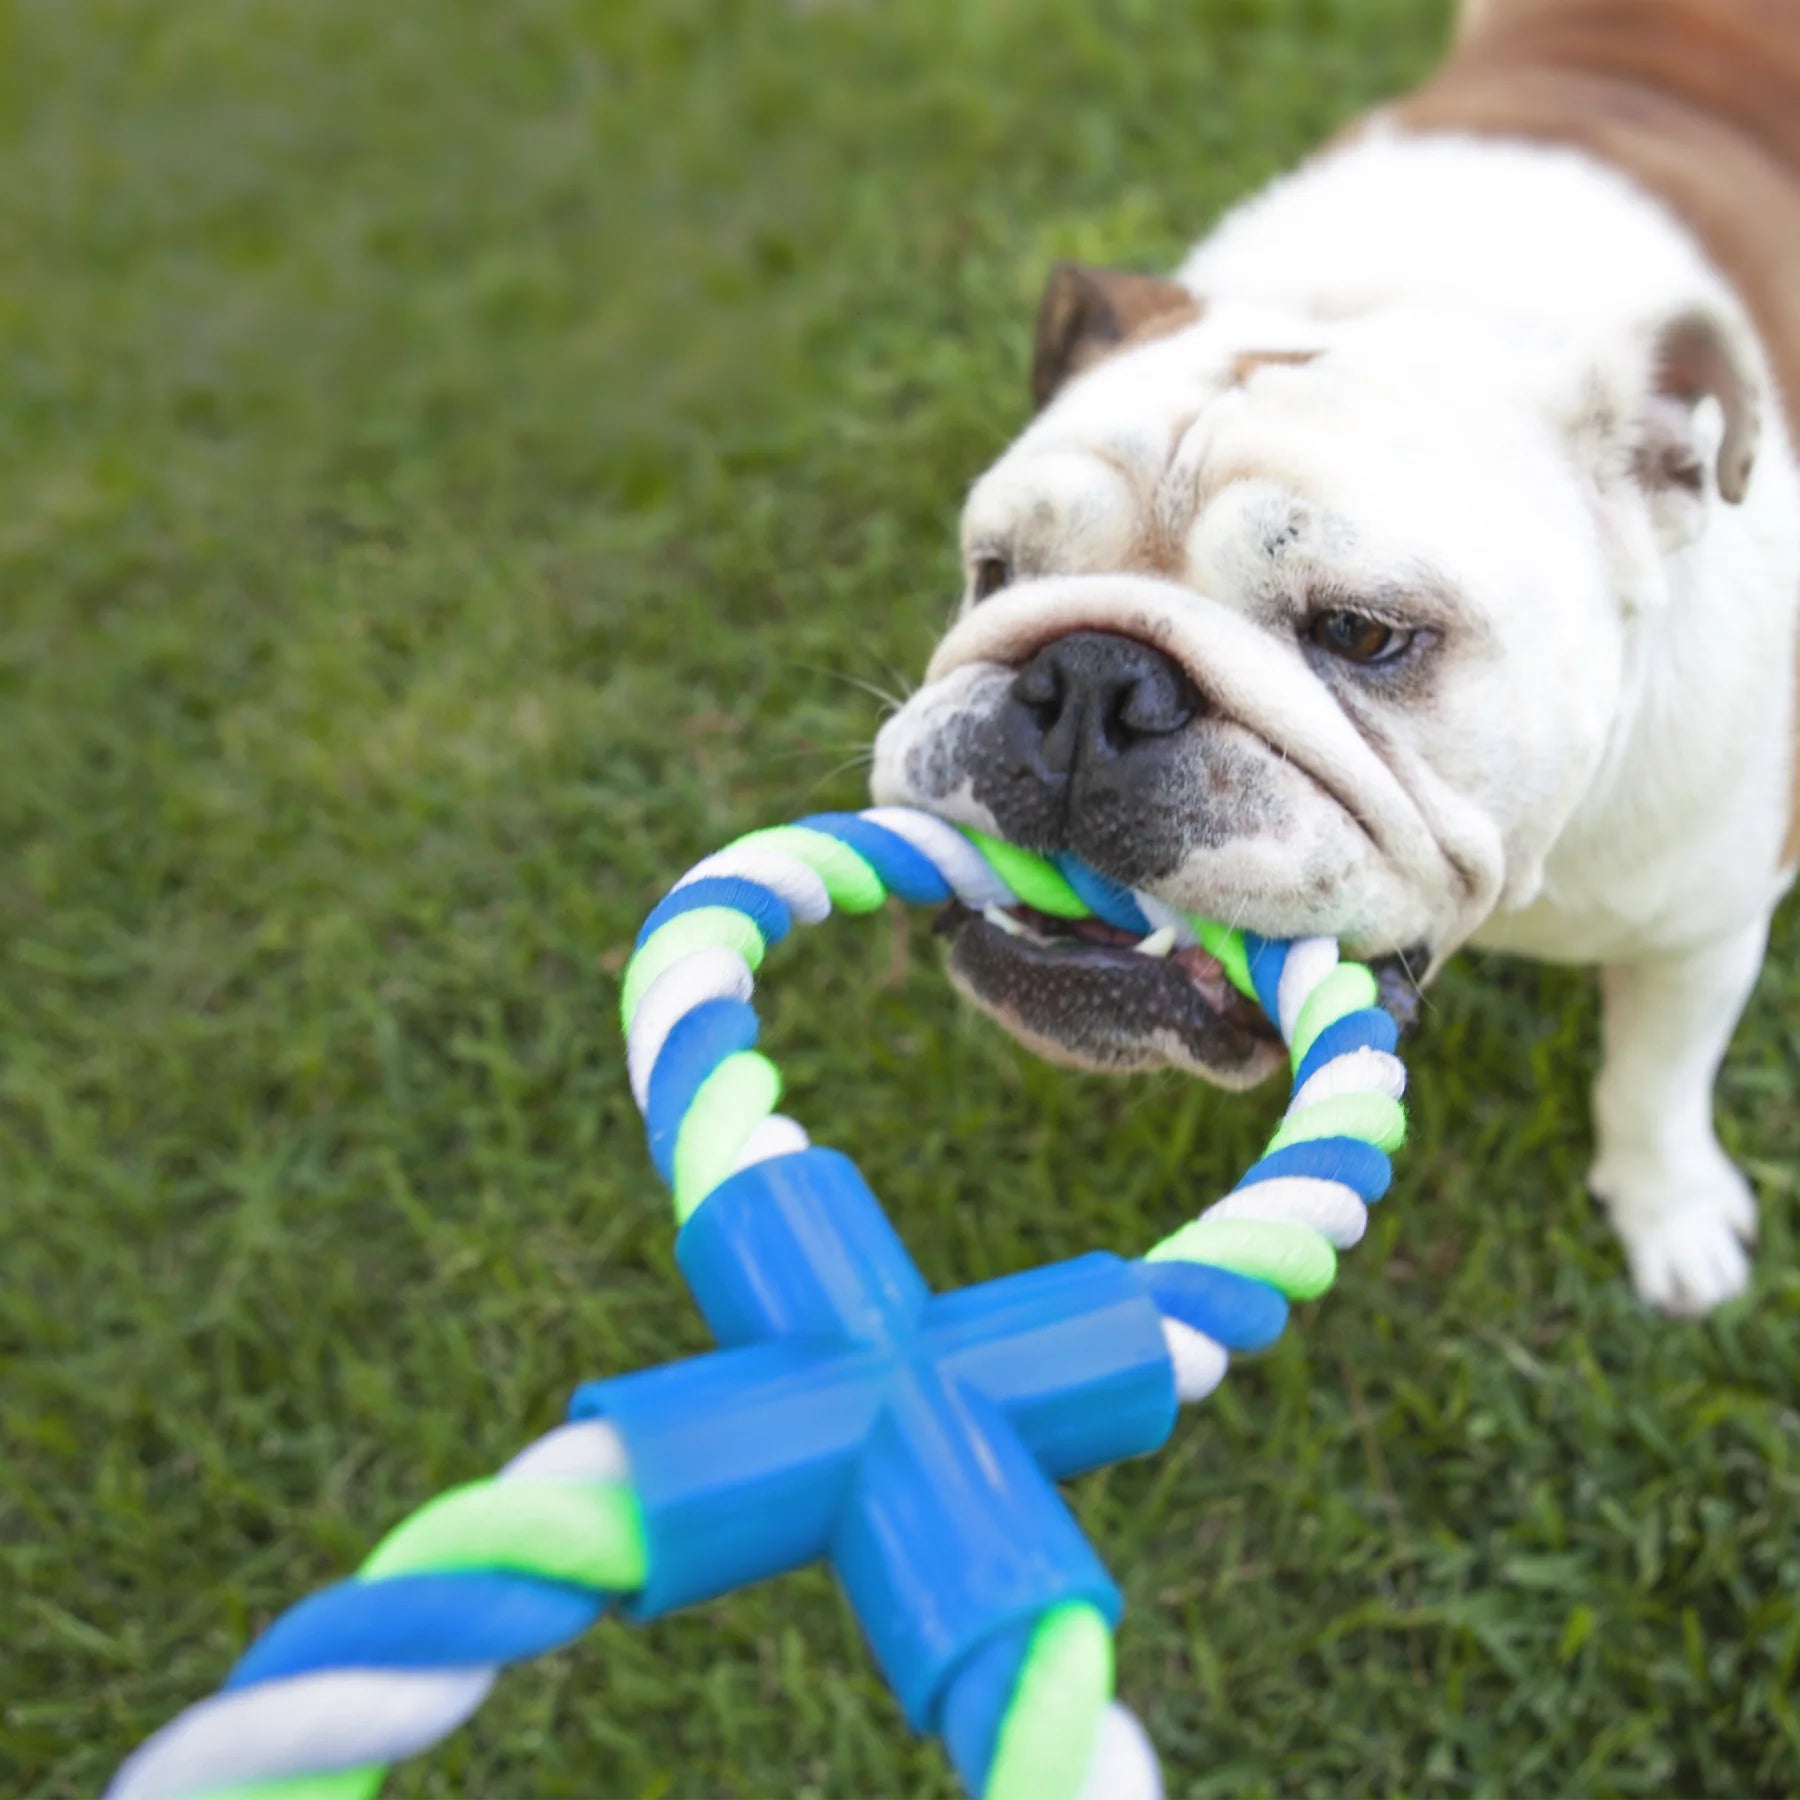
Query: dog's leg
x: 1680, y: 1205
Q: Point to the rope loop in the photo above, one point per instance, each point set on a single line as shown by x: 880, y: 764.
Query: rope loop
x: 387, y: 1663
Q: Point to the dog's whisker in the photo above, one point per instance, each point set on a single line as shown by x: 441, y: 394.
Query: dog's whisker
x: 1426, y: 1003
x: 904, y: 683
x: 860, y: 752
x: 893, y: 702
x: 903, y: 686
x: 852, y: 762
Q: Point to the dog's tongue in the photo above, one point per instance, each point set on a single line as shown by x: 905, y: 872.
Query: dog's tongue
x: 1197, y: 965
x: 1090, y: 930
x: 1207, y: 973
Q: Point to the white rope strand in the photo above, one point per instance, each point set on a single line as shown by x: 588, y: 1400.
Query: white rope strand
x: 1334, y: 1211
x: 306, y: 1724
x: 1199, y: 1362
x: 1123, y: 1763
x: 799, y: 888
x: 777, y: 1135
x: 336, y: 1719
x: 972, y: 881
x: 587, y: 1450
x: 1308, y: 963
x: 1364, y: 1071
x: 714, y: 973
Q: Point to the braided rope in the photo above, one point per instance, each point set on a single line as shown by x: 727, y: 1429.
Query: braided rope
x: 382, y: 1666
x: 709, y: 1097
x: 1222, y: 1282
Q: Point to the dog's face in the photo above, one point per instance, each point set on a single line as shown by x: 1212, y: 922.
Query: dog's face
x: 1313, y: 629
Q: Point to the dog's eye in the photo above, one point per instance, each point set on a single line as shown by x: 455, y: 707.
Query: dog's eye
x: 1358, y: 638
x: 992, y: 573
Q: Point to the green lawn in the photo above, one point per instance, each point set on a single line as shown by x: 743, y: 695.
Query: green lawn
x: 459, y: 462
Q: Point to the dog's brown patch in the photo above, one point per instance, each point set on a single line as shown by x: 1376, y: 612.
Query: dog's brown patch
x: 1698, y: 101
x: 1247, y: 362
x: 1087, y: 313
x: 1696, y: 362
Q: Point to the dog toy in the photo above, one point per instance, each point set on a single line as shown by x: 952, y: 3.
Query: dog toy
x: 912, y: 1440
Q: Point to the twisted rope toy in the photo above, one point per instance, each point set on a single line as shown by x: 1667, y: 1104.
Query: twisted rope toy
x: 382, y: 1666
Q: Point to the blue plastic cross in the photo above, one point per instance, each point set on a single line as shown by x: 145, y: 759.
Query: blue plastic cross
x: 911, y: 1440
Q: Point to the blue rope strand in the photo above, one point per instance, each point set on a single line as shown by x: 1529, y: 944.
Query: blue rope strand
x: 427, y: 1621
x: 1369, y: 1029
x: 768, y: 911
x: 1358, y: 1165
x: 902, y: 869
x: 1235, y: 1310
x: 697, y: 1043
x: 1105, y: 899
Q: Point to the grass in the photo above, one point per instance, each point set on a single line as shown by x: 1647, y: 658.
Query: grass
x: 457, y: 464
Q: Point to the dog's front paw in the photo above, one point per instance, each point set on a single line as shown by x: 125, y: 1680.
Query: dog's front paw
x: 1689, y: 1262
x: 1685, y: 1238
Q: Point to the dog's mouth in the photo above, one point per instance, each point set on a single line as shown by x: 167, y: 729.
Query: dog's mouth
x: 1083, y: 992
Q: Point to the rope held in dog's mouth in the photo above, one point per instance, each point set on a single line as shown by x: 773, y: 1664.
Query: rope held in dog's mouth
x: 911, y: 1439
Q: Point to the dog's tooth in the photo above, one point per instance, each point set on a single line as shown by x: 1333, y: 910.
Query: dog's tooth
x: 1158, y: 943
x: 998, y: 916
x: 1159, y: 913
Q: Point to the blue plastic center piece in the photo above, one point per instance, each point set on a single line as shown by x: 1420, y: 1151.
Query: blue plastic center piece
x: 911, y: 1440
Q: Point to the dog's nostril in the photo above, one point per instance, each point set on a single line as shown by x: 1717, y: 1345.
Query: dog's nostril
x: 1094, y: 696
x: 1155, y: 707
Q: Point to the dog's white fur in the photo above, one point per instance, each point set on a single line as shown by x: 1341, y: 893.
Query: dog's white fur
x: 1604, y: 776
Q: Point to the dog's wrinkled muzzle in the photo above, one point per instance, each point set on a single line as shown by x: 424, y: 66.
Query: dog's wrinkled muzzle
x: 1241, y: 671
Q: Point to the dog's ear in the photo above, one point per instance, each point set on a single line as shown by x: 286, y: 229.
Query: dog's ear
x: 1085, y: 312
x: 1673, y: 412
x: 1699, y: 355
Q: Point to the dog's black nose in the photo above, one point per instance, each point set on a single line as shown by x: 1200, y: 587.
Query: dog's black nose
x: 1091, y: 698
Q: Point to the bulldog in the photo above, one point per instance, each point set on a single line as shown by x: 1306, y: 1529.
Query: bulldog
x: 1419, y: 564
